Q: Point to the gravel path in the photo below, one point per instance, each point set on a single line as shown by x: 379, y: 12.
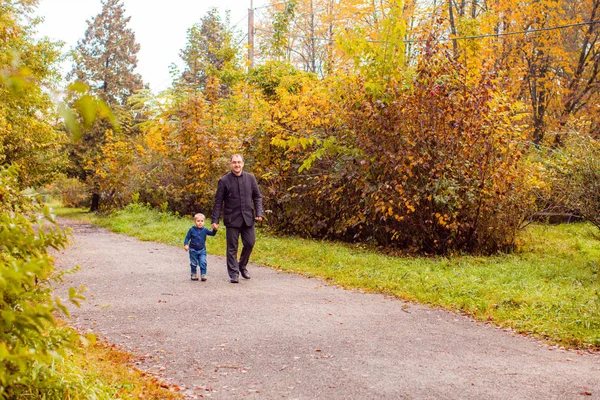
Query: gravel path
x: 283, y: 336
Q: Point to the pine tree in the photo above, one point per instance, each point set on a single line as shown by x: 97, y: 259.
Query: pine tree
x: 210, y: 52
x: 106, y: 57
x: 105, y: 60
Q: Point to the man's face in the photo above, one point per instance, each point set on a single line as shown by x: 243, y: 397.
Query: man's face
x: 237, y: 165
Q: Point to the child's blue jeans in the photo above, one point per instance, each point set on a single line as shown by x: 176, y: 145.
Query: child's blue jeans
x: 198, y: 259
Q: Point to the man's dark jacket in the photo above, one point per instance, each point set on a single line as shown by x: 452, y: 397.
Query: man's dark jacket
x: 237, y: 193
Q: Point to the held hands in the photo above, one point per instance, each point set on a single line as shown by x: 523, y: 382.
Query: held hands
x: 186, y: 247
x: 215, y: 226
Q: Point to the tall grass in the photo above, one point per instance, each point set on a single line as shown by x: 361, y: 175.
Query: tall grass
x: 549, y: 289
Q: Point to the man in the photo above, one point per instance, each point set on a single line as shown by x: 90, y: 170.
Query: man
x: 237, y: 190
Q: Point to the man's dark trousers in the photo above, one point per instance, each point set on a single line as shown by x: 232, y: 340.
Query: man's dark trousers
x: 248, y: 239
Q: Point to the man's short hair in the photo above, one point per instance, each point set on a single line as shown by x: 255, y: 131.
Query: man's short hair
x: 237, y: 155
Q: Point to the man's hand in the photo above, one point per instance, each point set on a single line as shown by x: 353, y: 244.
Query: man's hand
x: 215, y: 226
x: 259, y: 219
x: 186, y: 247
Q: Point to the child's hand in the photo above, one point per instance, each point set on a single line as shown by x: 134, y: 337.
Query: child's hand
x: 186, y: 247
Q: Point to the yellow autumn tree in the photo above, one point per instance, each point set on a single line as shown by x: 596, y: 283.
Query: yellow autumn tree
x: 546, y: 51
x: 306, y: 33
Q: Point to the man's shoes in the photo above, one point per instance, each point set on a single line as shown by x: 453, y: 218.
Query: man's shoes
x: 203, y: 277
x: 235, y: 280
x: 245, y: 273
x: 194, y: 277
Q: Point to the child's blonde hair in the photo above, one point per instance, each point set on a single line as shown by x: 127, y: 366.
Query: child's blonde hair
x: 199, y: 215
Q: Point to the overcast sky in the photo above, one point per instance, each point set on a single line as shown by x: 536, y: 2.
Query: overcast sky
x: 160, y: 27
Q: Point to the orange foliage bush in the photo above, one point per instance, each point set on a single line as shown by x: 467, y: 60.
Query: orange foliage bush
x: 444, y: 162
x: 435, y: 168
x: 184, y: 151
x: 303, y: 118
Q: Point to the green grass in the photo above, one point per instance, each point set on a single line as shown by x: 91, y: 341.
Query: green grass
x: 549, y: 289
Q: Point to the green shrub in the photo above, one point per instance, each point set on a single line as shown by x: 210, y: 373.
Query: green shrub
x: 30, y: 340
x: 574, y: 171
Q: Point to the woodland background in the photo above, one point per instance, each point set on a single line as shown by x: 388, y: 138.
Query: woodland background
x: 425, y: 126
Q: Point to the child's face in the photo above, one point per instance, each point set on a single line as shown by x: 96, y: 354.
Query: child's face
x: 199, y: 222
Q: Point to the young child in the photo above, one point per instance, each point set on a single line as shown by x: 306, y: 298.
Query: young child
x: 196, y: 238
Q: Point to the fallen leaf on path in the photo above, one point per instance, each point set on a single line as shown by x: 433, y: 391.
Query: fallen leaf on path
x: 226, y: 366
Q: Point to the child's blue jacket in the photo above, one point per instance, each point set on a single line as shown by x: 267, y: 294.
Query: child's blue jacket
x: 196, y: 237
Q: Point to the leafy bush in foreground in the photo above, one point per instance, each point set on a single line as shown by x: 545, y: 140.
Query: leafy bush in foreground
x: 30, y: 340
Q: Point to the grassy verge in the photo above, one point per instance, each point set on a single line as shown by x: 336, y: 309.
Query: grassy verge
x: 105, y: 372
x: 550, y: 289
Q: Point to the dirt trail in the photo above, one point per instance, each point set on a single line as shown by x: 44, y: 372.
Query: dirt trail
x: 285, y: 336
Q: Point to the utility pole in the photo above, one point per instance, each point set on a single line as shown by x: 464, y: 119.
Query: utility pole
x: 251, y: 36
